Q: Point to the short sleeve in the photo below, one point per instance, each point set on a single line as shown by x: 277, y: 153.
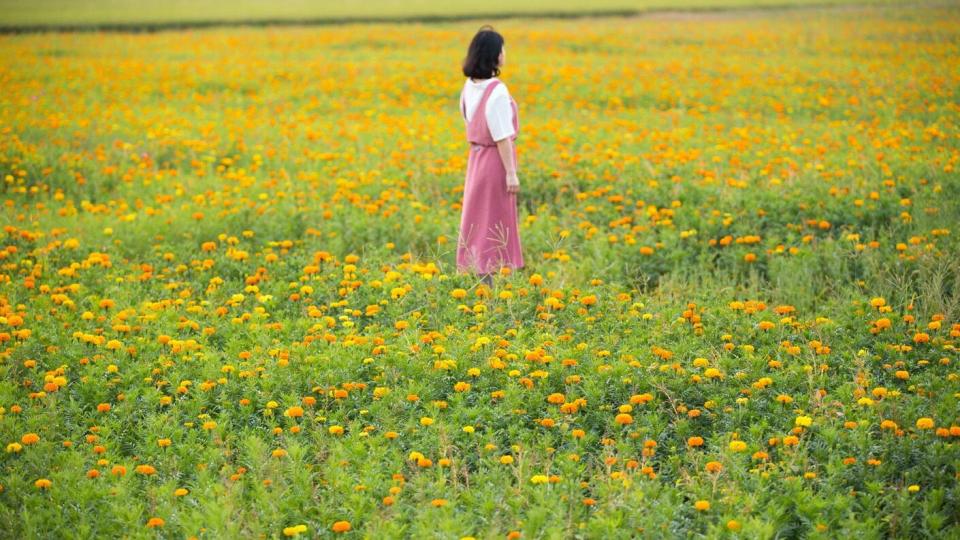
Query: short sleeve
x: 499, y: 113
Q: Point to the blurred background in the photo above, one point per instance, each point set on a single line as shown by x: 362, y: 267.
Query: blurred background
x: 19, y: 13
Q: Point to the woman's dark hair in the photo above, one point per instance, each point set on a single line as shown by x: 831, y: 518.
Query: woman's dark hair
x: 483, y: 54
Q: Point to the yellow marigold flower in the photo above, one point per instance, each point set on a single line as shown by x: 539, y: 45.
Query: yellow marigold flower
x: 335, y: 430
x: 295, y: 530
x: 738, y: 446
x: 438, y: 502
x: 733, y: 525
x: 43, y: 483
x: 426, y: 421
x: 539, y: 479
x: 702, y: 505
x: 803, y: 421
x: 506, y: 460
x: 180, y: 492
x: 925, y: 423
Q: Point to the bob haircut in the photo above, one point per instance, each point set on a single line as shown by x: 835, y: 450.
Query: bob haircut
x: 483, y: 54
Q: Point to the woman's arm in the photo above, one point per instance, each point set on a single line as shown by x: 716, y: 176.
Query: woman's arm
x: 505, y: 148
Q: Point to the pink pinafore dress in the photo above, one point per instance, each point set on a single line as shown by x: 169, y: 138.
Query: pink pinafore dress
x: 489, y: 237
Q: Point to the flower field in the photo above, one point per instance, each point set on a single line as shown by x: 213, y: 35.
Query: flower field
x: 229, y: 305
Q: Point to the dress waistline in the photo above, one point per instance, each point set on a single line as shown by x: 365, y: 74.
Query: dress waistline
x: 481, y: 144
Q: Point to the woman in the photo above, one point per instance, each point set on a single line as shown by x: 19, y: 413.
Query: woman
x: 489, y: 238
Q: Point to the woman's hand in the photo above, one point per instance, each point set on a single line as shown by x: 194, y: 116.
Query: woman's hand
x: 513, y: 183
x: 506, y: 151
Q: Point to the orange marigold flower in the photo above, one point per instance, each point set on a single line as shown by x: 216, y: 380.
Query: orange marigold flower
x: 294, y: 412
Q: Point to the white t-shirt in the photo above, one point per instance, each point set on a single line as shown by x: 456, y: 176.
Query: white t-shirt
x: 498, y: 111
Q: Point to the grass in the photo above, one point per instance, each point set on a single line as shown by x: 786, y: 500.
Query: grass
x: 229, y: 305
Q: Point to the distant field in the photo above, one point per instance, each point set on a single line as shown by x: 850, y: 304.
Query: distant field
x: 71, y: 12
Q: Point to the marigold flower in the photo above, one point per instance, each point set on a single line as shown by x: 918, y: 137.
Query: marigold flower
x: 155, y: 522
x: 30, y: 438
x: 294, y: 412
x: 340, y: 527
x: 43, y: 483
x: 702, y: 505
x: 294, y: 530
x: 925, y: 423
